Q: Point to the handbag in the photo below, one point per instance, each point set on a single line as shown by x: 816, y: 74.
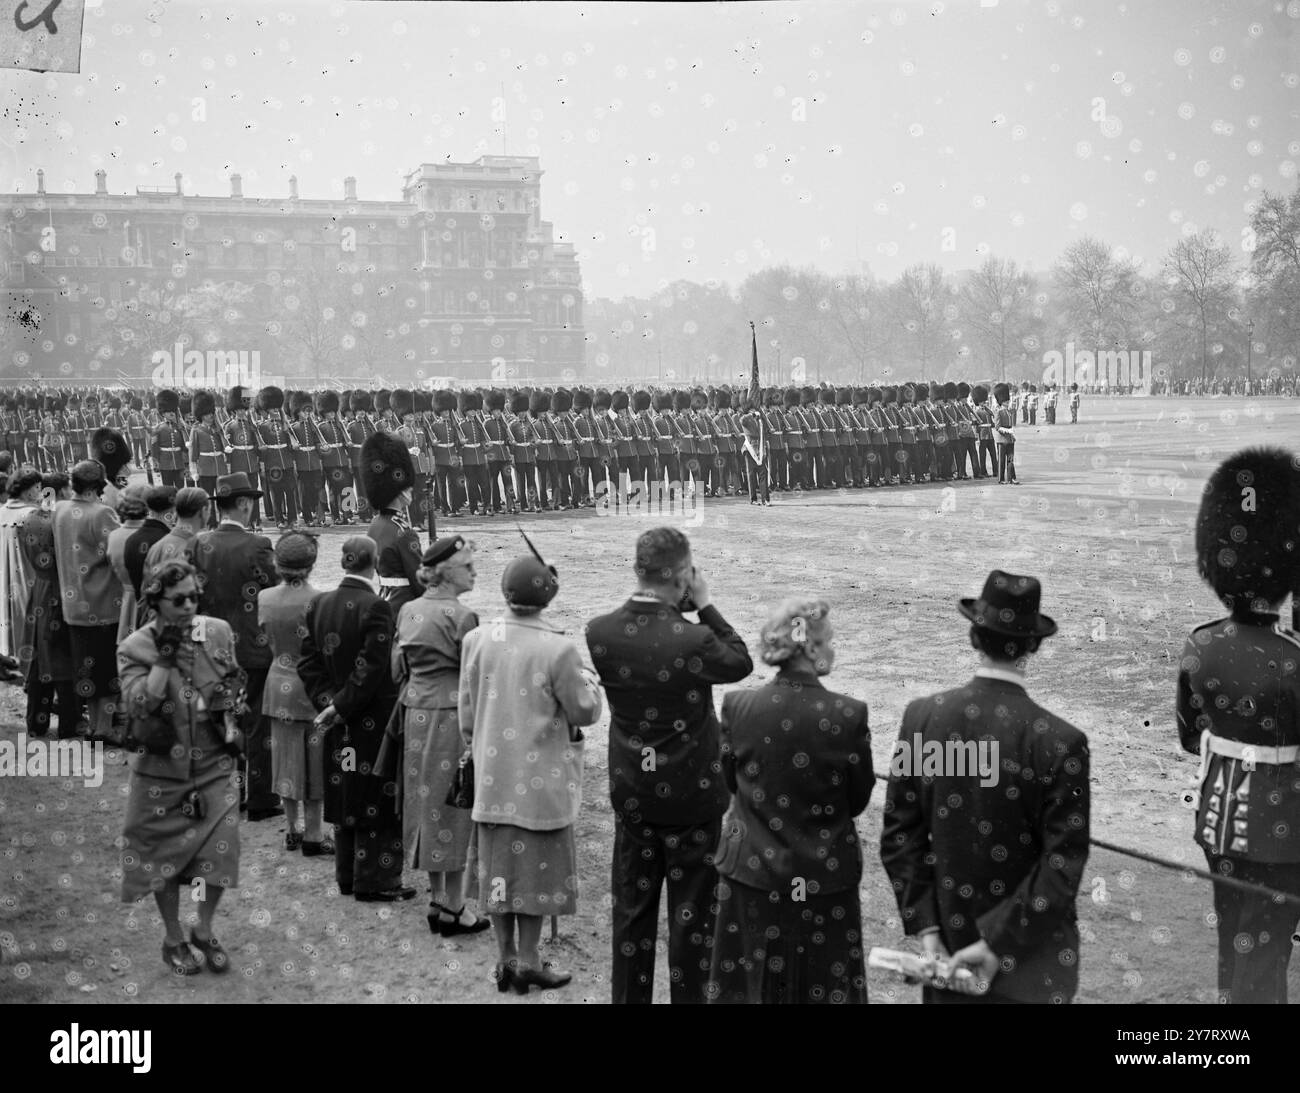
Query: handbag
x: 153, y: 734
x: 461, y: 793
x: 727, y: 856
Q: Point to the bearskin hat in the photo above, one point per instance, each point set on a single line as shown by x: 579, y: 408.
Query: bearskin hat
x: 386, y: 469
x: 922, y: 390
x: 470, y: 400
x: 641, y: 401
x: 681, y: 400
x: 115, y: 403
x: 1074, y: 387
x: 137, y: 404
x: 168, y: 401
x: 791, y: 396
x: 422, y: 401
x: 327, y: 402
x: 963, y: 389
x: 1248, y: 529
x: 619, y: 400
x: 186, y: 404
x: 495, y: 400
x: 300, y: 400
x: 826, y: 396
x: 890, y: 395
x: 361, y: 400
x: 444, y: 400
x: 518, y: 403
x: 581, y: 399
x: 844, y: 396
x: 722, y: 397
x: 381, y: 400
x: 72, y: 400
x: 270, y: 398
x: 539, y: 402
x: 562, y: 400
x: 979, y: 394
x: 807, y: 396
x: 204, y: 404
x: 662, y: 400
x: 1001, y: 393
x: 111, y: 449
x: 236, y: 399
x: 401, y: 402
x: 601, y: 399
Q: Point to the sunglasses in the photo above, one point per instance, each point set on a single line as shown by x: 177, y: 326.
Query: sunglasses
x: 182, y: 598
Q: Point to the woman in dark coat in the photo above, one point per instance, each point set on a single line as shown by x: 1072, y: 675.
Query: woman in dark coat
x: 182, y: 813
x: 798, y: 759
x: 50, y: 673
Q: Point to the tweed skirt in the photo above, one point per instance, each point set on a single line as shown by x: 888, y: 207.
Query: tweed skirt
x: 160, y: 844
x: 437, y: 835
x: 297, y: 759
x: 522, y: 872
x: 771, y: 950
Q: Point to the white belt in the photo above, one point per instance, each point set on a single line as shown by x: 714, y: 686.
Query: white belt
x: 1235, y: 749
x: 394, y: 582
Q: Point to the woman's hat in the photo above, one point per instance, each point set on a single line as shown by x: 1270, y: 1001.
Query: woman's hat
x: 1009, y: 605
x: 294, y: 550
x: 527, y: 582
x: 446, y: 549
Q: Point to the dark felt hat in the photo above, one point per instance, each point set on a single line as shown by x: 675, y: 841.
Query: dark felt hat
x: 235, y: 485
x: 1009, y: 605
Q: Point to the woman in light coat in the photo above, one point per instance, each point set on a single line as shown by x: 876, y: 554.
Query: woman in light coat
x: 524, y: 695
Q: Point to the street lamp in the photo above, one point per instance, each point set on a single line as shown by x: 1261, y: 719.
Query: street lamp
x: 1250, y: 344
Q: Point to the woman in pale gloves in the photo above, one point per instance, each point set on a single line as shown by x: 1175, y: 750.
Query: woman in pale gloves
x: 798, y: 759
x: 181, y: 687
x: 297, y: 742
x: 426, y: 663
x: 524, y: 695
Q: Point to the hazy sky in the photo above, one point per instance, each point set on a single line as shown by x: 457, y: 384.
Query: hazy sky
x: 699, y: 140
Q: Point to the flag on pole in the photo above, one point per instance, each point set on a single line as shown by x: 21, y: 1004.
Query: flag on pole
x: 755, y: 405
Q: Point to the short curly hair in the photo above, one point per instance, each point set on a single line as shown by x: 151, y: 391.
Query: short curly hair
x: 166, y: 576
x: 796, y: 624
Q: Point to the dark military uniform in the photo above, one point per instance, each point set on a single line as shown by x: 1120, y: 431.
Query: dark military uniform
x: 387, y: 468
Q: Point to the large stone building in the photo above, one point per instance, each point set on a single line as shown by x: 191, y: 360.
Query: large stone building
x: 461, y: 278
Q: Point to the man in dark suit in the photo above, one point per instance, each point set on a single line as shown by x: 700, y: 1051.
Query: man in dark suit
x: 985, y: 831
x: 346, y: 668
x: 233, y: 566
x: 665, y: 770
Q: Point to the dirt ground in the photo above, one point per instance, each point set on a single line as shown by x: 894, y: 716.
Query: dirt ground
x: 1104, y: 518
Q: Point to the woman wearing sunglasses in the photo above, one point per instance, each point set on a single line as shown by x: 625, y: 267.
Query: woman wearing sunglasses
x: 182, y: 689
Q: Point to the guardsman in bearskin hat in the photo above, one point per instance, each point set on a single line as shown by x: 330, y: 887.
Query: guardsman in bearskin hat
x: 447, y: 460
x: 523, y: 451
x: 474, y: 444
x: 606, y: 472
x: 823, y: 414
x: 626, y: 455
x: 113, y: 451
x: 1033, y: 404
x: 1074, y: 404
x: 850, y: 452
x: 910, y: 468
x: 499, y: 454
x: 277, y: 457
x: 137, y: 431
x: 1004, y: 434
x: 32, y: 430
x: 1239, y: 708
x: 307, y: 446
x: 548, y: 487
x: 360, y: 429
x: 167, y: 448
x: 984, y: 427
x: 389, y: 482
x: 336, y: 461
x: 13, y: 431
x: 239, y: 442
x: 74, y: 429
x: 728, y: 439
x: 426, y: 471
x: 207, y: 449
x: 54, y: 440
x: 564, y: 446
x: 965, y: 433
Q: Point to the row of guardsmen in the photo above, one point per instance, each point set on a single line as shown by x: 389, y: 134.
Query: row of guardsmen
x: 486, y: 452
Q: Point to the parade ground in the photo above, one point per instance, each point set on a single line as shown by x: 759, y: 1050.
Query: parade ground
x: 1104, y: 518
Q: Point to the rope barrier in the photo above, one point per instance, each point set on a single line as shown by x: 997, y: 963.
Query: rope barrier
x: 1165, y: 863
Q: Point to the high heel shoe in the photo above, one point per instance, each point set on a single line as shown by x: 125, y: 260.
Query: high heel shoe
x: 456, y: 925
x: 544, y: 977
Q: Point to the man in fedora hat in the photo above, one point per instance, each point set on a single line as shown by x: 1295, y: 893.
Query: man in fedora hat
x: 233, y: 566
x: 986, y: 861
x: 1239, y: 708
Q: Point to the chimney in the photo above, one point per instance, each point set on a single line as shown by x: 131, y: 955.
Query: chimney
x: 40, y: 181
x: 177, y: 176
x: 349, y: 189
x: 101, y: 181
x: 236, y: 186
x: 293, y: 187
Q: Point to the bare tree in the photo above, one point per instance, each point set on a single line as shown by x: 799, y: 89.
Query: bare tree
x: 998, y: 308
x: 860, y: 315
x: 1275, y: 264
x: 920, y: 297
x: 1199, y: 274
x: 1097, y: 292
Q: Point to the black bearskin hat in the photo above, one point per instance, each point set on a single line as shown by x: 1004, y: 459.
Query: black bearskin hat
x: 270, y: 398
x: 963, y: 389
x: 1248, y: 529
x: 381, y: 400
x: 236, y: 399
x: 422, y: 401
x: 167, y: 401
x: 111, y: 449
x: 539, y: 402
x: 619, y: 400
x: 561, y: 401
x: 518, y: 403
x: 444, y: 400
x: 602, y: 399
x: 792, y: 396
x: 386, y: 469
x: 361, y: 400
x: 1001, y: 393
x: 663, y: 400
x: 496, y: 400
x: 300, y: 400
x: 581, y: 399
x: 401, y: 402
x: 640, y: 401
x: 327, y: 402
x: 204, y: 404
x: 979, y: 394
x: 722, y: 398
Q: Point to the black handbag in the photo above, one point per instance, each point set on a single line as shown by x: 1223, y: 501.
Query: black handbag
x: 153, y: 734
x: 461, y: 793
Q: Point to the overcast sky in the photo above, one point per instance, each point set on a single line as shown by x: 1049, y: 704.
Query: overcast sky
x: 705, y: 141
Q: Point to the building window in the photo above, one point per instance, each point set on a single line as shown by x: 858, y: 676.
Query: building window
x: 473, y: 200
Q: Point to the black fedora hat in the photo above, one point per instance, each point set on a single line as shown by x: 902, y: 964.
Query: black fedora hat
x: 235, y: 485
x: 1009, y: 605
